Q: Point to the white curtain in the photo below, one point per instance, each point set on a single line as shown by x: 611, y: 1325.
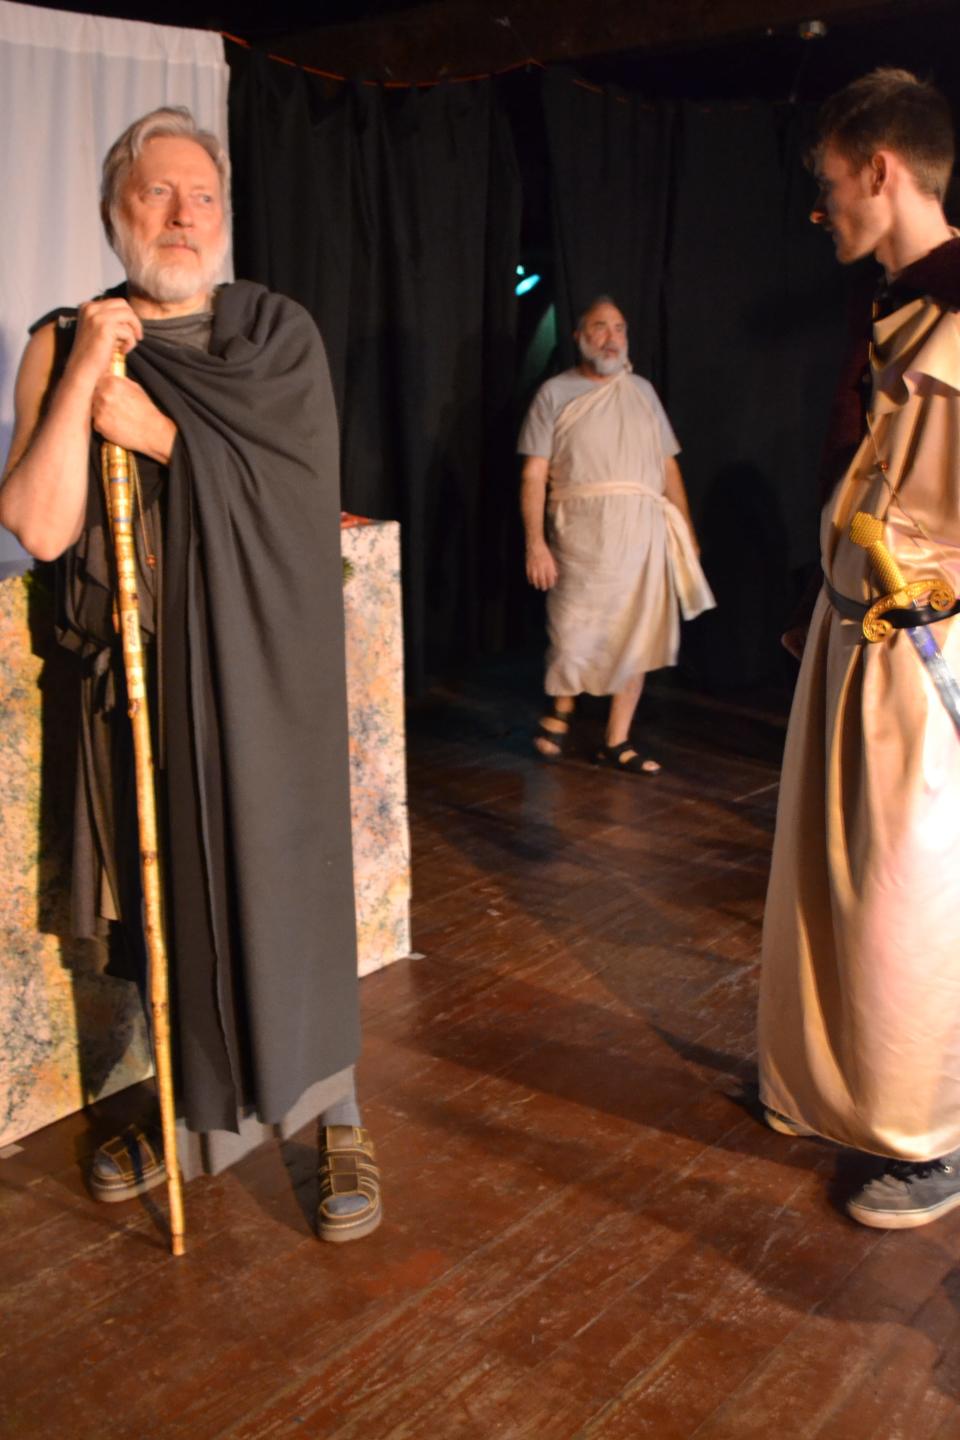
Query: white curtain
x: 69, y: 84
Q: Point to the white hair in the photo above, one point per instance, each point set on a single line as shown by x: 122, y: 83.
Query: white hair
x: 173, y: 120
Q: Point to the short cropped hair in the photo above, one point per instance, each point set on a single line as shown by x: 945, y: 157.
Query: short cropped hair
x: 173, y: 120
x: 597, y: 301
x: 891, y: 110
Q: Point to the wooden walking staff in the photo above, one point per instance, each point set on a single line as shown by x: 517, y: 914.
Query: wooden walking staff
x: 116, y: 476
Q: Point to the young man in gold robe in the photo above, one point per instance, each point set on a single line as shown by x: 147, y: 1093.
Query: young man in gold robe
x: 860, y: 991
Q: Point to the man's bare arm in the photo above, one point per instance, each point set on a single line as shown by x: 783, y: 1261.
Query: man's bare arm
x: 43, y: 494
x: 33, y: 511
x: 676, y: 492
x: 541, y: 566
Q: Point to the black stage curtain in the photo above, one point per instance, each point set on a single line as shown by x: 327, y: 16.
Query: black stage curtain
x: 696, y: 221
x: 757, y: 318
x: 394, y: 217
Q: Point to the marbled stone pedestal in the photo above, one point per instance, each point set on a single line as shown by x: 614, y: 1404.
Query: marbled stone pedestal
x: 70, y: 1034
x: 378, y: 778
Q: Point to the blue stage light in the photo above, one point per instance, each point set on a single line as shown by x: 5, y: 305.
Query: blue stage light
x: 527, y: 284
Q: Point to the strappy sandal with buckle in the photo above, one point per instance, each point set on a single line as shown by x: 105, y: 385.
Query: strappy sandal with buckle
x: 348, y: 1202
x: 128, y: 1165
x: 624, y: 757
x: 558, y: 738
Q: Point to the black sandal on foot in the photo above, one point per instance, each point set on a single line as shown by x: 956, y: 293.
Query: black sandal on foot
x: 347, y: 1172
x: 626, y: 757
x: 557, y: 738
x: 128, y: 1165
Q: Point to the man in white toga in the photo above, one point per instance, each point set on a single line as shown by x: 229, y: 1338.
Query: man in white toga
x: 608, y: 536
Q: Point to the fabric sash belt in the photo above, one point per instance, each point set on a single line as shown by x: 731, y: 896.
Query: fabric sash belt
x: 900, y: 619
x: 693, y: 591
x: 590, y: 488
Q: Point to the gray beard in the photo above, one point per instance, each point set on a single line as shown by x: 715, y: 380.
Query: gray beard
x: 600, y: 363
x: 167, y: 283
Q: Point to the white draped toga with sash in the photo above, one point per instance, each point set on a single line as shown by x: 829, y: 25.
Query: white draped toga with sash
x: 625, y: 558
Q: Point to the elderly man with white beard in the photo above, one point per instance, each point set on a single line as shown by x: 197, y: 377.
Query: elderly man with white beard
x: 228, y: 412
x: 608, y: 536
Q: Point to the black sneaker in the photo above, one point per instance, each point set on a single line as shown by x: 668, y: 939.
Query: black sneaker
x: 908, y: 1194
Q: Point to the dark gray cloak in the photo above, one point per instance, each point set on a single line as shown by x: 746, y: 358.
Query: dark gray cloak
x: 250, y: 711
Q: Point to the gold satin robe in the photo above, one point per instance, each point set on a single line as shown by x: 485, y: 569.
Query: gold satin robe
x: 860, y: 988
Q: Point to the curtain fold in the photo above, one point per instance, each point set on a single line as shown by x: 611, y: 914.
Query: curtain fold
x: 394, y: 218
x: 612, y: 169
x: 755, y: 301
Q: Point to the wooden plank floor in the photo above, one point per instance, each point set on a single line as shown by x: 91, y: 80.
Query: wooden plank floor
x: 588, y: 1232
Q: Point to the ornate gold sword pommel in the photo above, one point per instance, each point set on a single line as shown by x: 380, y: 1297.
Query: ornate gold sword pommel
x: 867, y: 532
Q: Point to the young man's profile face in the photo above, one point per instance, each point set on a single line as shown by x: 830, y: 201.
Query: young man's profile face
x: 848, y: 206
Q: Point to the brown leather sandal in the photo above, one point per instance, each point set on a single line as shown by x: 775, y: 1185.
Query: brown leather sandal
x: 347, y: 1170
x: 128, y: 1165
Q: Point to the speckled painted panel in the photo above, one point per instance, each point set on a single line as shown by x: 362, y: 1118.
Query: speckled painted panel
x: 378, y: 785
x: 68, y: 1032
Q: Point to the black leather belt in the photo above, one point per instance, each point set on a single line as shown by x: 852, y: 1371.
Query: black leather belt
x: 900, y: 619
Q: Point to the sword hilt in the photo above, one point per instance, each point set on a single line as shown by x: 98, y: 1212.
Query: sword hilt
x: 867, y: 532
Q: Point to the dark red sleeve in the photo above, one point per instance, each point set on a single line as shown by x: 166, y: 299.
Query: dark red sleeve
x: 848, y: 411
